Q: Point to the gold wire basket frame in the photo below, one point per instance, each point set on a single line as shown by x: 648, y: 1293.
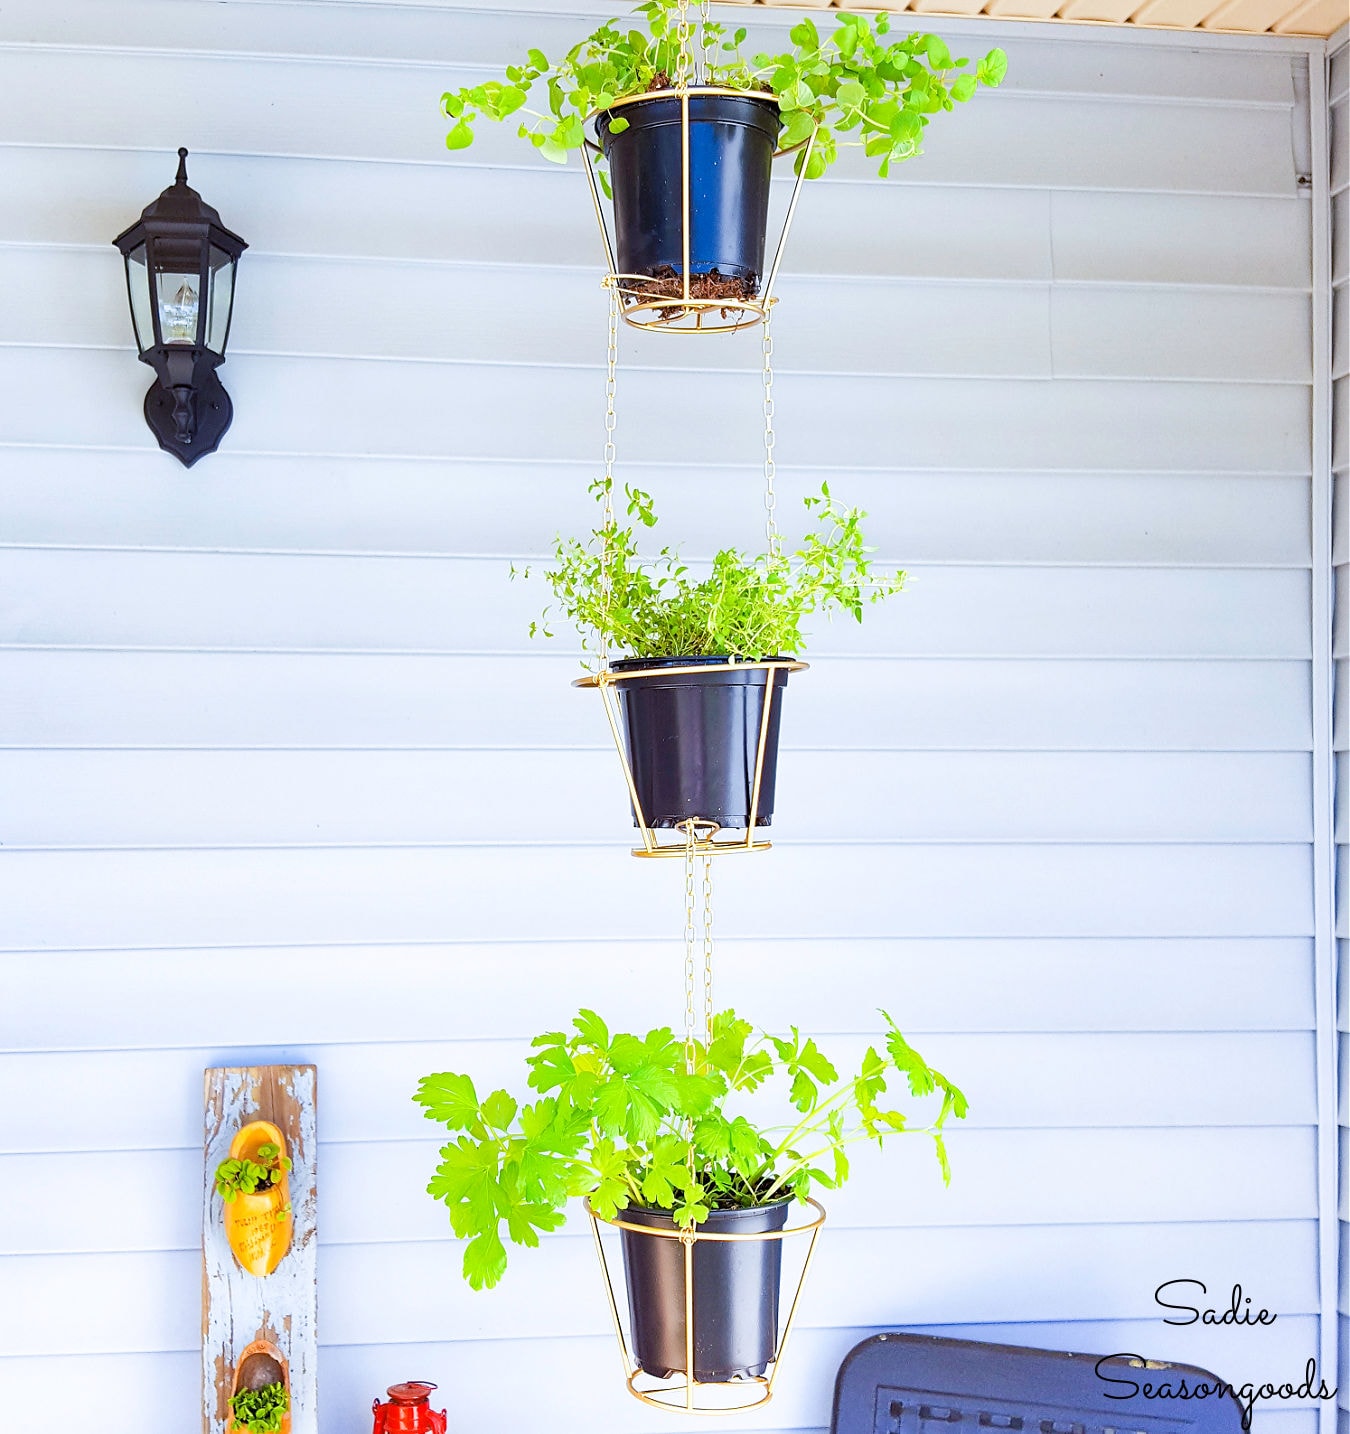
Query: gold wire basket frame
x: 683, y: 313
x: 680, y: 1396
x: 703, y: 832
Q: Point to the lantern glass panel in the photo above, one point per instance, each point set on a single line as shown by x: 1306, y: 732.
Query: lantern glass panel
x: 220, y: 295
x: 138, y: 286
x: 179, y: 297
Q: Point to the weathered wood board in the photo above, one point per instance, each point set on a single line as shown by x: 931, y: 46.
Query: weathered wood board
x: 238, y: 1308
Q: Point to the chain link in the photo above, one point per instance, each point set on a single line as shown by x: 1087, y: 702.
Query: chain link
x: 607, y: 495
x: 707, y: 949
x: 684, y: 61
x: 690, y: 944
x: 770, y: 467
x: 706, y: 43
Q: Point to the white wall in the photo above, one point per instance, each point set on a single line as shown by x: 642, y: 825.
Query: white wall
x: 1340, y: 232
x: 282, y: 778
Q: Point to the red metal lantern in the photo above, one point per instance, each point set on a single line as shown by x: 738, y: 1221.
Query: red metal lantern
x: 409, y: 1410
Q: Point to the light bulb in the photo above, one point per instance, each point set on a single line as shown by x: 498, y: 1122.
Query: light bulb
x: 178, y: 318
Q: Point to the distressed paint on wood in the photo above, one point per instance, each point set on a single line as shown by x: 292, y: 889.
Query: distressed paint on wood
x: 236, y: 1307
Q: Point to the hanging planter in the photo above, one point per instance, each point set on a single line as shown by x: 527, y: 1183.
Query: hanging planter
x: 703, y: 1200
x: 698, y: 740
x: 695, y: 712
x: 706, y: 1298
x: 688, y: 125
x: 254, y: 1183
x: 260, y: 1396
x: 689, y: 171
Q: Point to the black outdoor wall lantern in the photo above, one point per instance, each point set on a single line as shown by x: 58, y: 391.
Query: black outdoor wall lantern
x: 180, y: 278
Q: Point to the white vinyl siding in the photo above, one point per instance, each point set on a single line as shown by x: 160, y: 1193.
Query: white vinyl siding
x: 283, y: 778
x: 1340, y: 369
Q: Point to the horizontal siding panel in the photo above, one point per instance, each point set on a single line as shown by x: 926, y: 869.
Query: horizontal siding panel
x: 226, y: 798
x: 141, y: 699
x: 1340, y: 331
x: 1170, y: 333
x: 1175, y: 239
x: 48, y: 1206
x: 326, y: 109
x: 498, y: 314
x: 459, y: 36
x: 1340, y: 438
x: 1341, y: 679
x: 469, y: 214
x: 482, y: 1378
x: 1065, y: 1081
x: 108, y: 1303
x: 231, y: 897
x: 355, y: 505
x: 316, y: 407
x: 1340, y: 526
x: 1340, y: 635
x: 54, y: 598
x: 327, y: 995
x: 503, y: 314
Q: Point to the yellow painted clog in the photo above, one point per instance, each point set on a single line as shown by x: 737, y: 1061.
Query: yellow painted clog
x: 258, y: 1224
x: 260, y: 1365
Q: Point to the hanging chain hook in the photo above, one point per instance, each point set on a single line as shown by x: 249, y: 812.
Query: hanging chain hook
x: 775, y: 541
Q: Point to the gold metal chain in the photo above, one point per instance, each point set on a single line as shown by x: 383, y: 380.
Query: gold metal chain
x: 694, y: 1029
x: 707, y: 949
x: 770, y: 467
x: 706, y: 43
x: 685, y: 59
x: 607, y: 523
x: 690, y: 944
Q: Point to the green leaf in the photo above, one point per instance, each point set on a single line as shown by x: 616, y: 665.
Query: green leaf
x: 524, y: 1220
x: 499, y: 1109
x: 591, y: 1030
x: 939, y: 56
x: 538, y: 59
x: 992, y: 68
x: 851, y: 93
x: 617, y: 124
x: 484, y: 1260
x: 448, y: 1098
x: 805, y: 35
x: 963, y: 87
x: 461, y: 137
x: 797, y: 128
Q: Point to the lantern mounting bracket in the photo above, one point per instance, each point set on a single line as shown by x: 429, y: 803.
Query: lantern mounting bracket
x: 189, y: 418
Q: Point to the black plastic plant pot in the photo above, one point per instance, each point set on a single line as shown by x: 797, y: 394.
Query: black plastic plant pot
x: 736, y: 1286
x: 693, y: 740
x: 731, y: 146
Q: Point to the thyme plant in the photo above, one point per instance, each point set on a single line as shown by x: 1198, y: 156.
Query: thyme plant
x: 744, y: 606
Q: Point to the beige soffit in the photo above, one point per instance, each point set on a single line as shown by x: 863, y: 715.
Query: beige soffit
x: 1242, y: 17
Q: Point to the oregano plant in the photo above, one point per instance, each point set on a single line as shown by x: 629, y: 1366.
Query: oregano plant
x: 658, y: 1121
x: 747, y: 606
x: 859, y: 85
